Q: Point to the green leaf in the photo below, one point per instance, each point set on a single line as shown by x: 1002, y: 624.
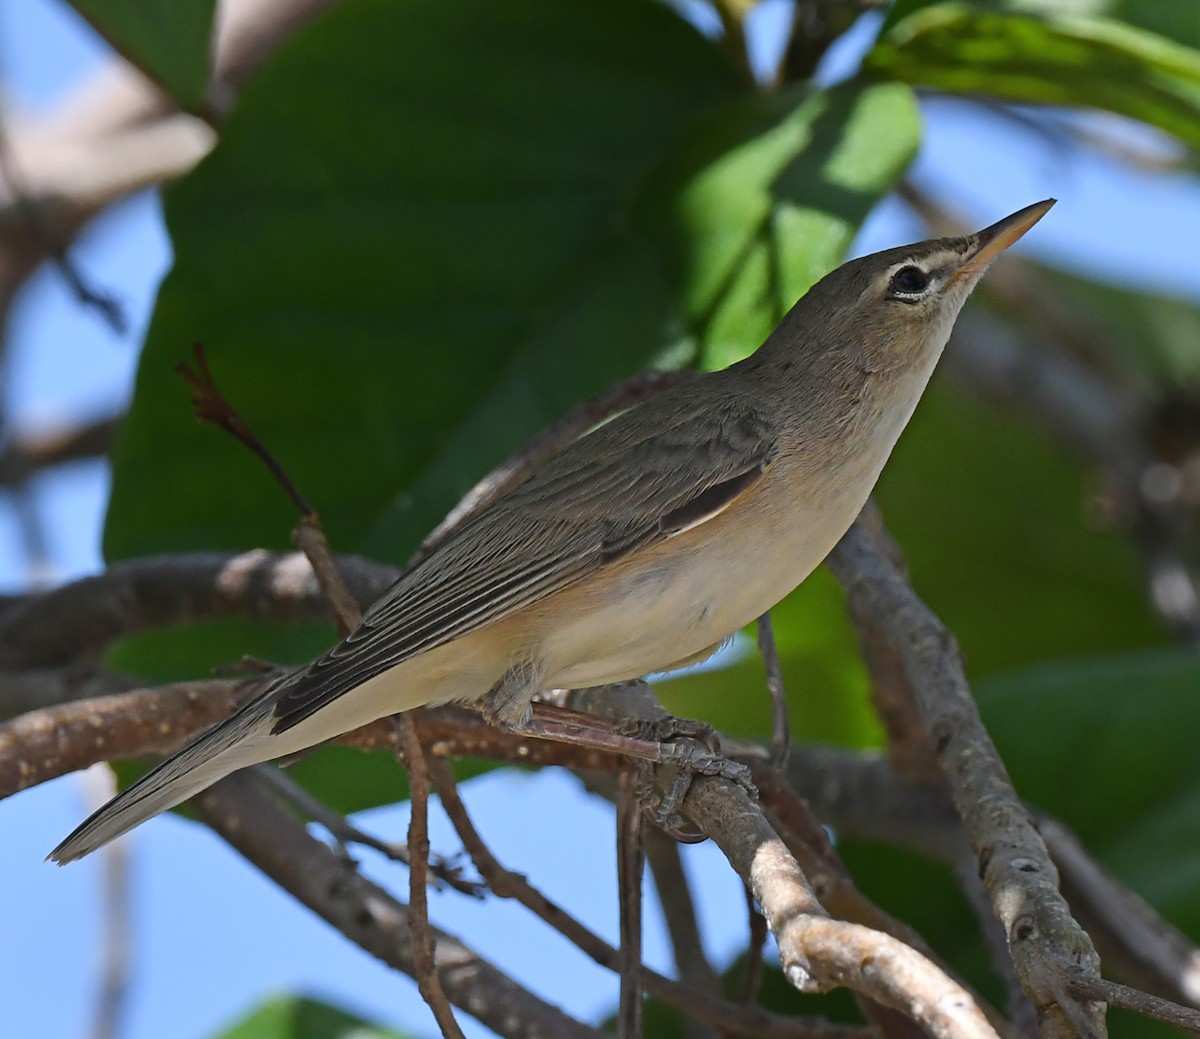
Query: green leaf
x: 297, y: 1017
x: 380, y: 248
x: 766, y: 197
x: 995, y: 522
x: 1090, y: 62
x: 1168, y: 18
x: 1147, y: 337
x: 784, y: 178
x: 1108, y: 745
x: 169, y: 40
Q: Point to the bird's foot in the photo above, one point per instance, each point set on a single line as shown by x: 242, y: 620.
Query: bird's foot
x: 668, y: 729
x: 689, y: 755
x: 686, y: 749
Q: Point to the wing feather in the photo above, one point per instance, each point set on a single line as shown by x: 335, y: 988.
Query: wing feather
x: 685, y: 458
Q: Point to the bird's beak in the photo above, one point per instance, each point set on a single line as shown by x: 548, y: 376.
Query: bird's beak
x: 992, y: 241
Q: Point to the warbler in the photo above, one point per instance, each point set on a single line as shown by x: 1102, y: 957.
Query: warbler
x: 639, y: 547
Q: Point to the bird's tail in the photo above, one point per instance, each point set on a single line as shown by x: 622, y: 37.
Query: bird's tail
x: 226, y: 747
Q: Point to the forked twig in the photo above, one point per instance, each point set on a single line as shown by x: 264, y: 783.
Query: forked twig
x: 211, y: 406
x: 346, y: 833
x: 748, y: 1021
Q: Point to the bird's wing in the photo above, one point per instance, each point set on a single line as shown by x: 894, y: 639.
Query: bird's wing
x: 623, y: 486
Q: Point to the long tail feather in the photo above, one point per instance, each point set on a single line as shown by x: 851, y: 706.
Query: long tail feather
x: 228, y: 746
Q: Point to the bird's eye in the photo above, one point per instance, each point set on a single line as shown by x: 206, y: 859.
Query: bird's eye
x: 909, y: 281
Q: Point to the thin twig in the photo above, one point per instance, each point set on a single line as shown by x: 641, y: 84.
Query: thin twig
x: 246, y: 815
x: 756, y: 942
x: 428, y: 981
x: 211, y: 406
x: 310, y: 539
x: 345, y: 833
x: 1143, y: 1003
x: 749, y: 1021
x: 679, y: 913
x: 631, y: 850
x: 1135, y: 943
x: 781, y: 731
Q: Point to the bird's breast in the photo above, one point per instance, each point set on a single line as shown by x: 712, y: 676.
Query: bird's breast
x: 671, y: 601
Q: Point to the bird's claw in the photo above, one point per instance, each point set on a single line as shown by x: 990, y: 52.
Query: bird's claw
x: 668, y: 729
x: 689, y: 760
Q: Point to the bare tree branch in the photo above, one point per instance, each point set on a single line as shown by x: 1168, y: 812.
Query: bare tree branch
x: 242, y: 813
x: 1047, y: 945
x: 54, y: 741
x: 816, y: 952
x: 164, y: 590
x: 24, y: 455
x: 781, y: 728
x: 1140, y: 1002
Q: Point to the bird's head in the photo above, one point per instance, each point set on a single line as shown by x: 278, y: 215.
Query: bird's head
x: 893, y: 310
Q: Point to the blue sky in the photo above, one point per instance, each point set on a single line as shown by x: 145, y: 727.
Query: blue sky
x: 211, y: 938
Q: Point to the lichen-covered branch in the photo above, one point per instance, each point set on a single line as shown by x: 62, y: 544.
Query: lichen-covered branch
x: 1047, y: 945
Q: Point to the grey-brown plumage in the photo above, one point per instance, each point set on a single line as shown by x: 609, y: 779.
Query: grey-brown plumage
x: 640, y: 546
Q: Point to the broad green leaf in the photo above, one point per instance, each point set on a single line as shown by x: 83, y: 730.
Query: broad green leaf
x: 1148, y: 338
x: 754, y: 202
x: 169, y: 40
x: 1108, y: 745
x: 298, y: 1017
x: 378, y: 241
x: 765, y: 199
x: 995, y: 522
x: 1092, y: 62
x: 1168, y: 18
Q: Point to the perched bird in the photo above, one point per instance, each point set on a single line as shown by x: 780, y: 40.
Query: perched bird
x: 638, y: 548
